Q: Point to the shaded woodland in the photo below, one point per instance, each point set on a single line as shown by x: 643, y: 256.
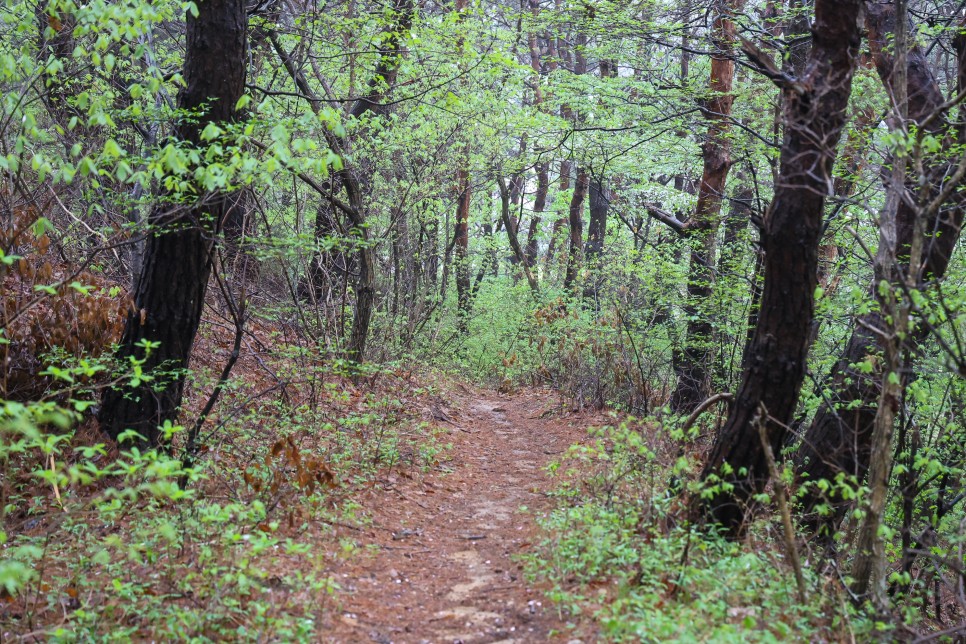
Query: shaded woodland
x: 238, y: 239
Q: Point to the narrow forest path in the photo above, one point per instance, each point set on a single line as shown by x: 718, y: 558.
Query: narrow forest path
x: 445, y: 569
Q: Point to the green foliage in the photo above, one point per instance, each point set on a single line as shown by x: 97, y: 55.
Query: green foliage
x: 130, y: 544
x: 617, y: 547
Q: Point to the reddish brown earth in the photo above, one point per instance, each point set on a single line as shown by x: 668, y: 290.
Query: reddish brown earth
x: 446, y: 567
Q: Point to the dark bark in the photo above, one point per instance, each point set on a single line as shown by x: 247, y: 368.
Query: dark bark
x: 576, y: 221
x: 380, y: 84
x: 542, y: 168
x: 539, y: 204
x: 735, y: 246
x: 597, y: 228
x: 736, y: 225
x: 556, y: 234
x: 57, y: 41
x: 326, y: 265
x: 839, y: 437
x: 814, y: 113
x: 512, y: 234
x: 170, y: 288
x: 599, y: 199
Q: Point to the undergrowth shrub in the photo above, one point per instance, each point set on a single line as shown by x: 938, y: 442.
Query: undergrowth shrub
x: 108, y: 542
x: 595, y: 353
x: 50, y: 310
x: 618, y: 547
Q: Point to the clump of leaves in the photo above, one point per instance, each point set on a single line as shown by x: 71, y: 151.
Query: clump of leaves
x: 618, y: 547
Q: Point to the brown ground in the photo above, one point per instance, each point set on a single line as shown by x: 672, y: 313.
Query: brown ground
x: 446, y: 568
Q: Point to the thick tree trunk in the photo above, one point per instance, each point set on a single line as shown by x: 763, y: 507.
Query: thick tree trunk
x: 814, y: 112
x: 170, y: 288
x: 839, y: 437
x: 694, y: 363
x: 599, y: 200
x: 597, y: 228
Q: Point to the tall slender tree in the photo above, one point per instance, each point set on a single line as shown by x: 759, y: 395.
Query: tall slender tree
x: 693, y: 363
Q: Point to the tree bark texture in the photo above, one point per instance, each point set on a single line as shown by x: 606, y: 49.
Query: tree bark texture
x: 693, y: 363
x: 576, y: 221
x: 597, y: 228
x: 173, y: 277
x: 539, y: 204
x: 774, y: 365
x: 839, y: 437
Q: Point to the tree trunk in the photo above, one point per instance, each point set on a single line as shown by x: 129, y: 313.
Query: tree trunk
x: 464, y: 196
x: 599, y: 203
x: 814, y: 112
x: 539, y: 203
x: 869, y: 564
x: 734, y: 248
x: 840, y: 436
x: 461, y: 241
x: 354, y: 179
x: 512, y: 235
x: 597, y: 228
x: 170, y: 288
x: 694, y: 364
x: 576, y: 221
x: 56, y: 29
x: 556, y: 235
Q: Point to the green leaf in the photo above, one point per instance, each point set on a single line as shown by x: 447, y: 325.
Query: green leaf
x: 211, y: 132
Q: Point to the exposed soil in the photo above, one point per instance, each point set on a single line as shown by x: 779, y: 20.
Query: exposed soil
x: 446, y: 568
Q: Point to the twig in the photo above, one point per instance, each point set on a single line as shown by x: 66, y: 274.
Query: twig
x: 955, y: 630
x: 239, y: 315
x: 780, y: 495
x: 53, y: 479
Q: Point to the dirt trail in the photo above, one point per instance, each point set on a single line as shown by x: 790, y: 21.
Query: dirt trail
x: 444, y: 571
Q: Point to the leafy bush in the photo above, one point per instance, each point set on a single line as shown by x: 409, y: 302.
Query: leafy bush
x: 619, y: 548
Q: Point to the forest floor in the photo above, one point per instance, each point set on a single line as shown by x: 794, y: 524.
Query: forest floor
x: 444, y: 565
